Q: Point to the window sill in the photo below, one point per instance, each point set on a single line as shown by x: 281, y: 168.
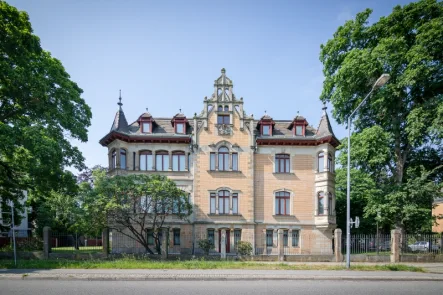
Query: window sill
x: 283, y: 173
x: 283, y: 215
x: 224, y: 214
x: 223, y: 171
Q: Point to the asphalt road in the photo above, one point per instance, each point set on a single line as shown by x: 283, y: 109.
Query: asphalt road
x: 312, y: 287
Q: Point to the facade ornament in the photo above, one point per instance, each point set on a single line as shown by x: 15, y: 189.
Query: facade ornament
x: 224, y: 129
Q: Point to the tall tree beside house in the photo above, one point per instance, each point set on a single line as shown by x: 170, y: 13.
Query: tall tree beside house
x: 398, y: 139
x: 137, y: 206
x: 40, y: 110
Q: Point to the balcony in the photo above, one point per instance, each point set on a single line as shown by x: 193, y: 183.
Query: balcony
x: 325, y: 221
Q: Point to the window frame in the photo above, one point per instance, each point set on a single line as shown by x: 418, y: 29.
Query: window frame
x: 330, y: 165
x: 212, y: 198
x: 176, y: 241
x: 321, y: 159
x: 212, y: 161
x: 269, y: 238
x: 330, y: 204
x: 282, y: 197
x: 143, y: 130
x: 162, y: 155
x: 285, y: 238
x: 114, y: 159
x: 179, y: 156
x: 145, y: 153
x: 211, y: 235
x: 183, y: 124
x: 235, y: 208
x: 123, y: 155
x: 286, y: 160
x: 269, y: 126
x: 224, y: 155
x: 295, y: 238
x: 224, y: 198
x: 321, y: 201
x: 234, y: 164
x: 221, y: 118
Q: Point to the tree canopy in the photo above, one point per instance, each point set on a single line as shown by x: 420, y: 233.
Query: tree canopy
x: 40, y: 110
x: 398, y: 139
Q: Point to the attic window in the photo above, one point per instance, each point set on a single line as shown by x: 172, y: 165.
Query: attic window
x: 146, y: 127
x: 299, y: 130
x: 180, y: 128
x: 266, y: 130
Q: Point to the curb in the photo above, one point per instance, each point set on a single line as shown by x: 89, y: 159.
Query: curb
x: 193, y: 277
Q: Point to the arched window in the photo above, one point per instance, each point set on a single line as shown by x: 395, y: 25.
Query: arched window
x: 146, y: 161
x: 282, y: 163
x: 223, y: 159
x: 223, y: 202
x: 321, y: 203
x: 330, y: 165
x: 162, y: 161
x: 282, y: 203
x: 122, y: 159
x: 330, y: 209
x: 220, y: 108
x: 113, y: 160
x: 321, y: 162
x: 226, y: 108
x: 178, y: 161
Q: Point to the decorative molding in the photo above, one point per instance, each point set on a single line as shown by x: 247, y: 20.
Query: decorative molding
x: 224, y: 129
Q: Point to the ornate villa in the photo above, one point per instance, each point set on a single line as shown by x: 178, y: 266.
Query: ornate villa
x: 248, y: 179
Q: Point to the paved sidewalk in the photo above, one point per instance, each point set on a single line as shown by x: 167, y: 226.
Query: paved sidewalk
x: 213, y: 274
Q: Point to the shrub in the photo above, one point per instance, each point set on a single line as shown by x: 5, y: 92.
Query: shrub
x: 206, y: 245
x: 244, y: 248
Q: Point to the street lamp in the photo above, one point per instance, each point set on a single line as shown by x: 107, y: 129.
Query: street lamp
x: 379, y: 83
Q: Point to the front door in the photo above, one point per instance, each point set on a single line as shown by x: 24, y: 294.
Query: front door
x: 228, y: 241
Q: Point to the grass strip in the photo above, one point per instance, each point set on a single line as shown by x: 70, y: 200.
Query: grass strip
x: 130, y: 263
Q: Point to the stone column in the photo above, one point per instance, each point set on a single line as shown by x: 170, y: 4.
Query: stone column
x: 223, y: 244
x: 216, y: 247
x: 290, y: 237
x: 165, y: 242
x: 265, y: 245
x: 46, y: 241
x: 337, y: 245
x: 395, y: 245
x: 105, y: 241
x: 280, y: 244
x: 170, y: 161
x: 231, y: 242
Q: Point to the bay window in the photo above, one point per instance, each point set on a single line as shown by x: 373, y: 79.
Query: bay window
x: 321, y: 203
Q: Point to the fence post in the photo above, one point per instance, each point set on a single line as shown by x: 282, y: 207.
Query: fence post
x: 337, y: 245
x: 223, y: 244
x: 164, y: 243
x: 46, y: 241
x: 105, y: 241
x: 395, y: 245
x: 281, y: 254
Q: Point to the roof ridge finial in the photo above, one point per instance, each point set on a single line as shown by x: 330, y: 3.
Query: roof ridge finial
x: 147, y: 110
x: 324, y: 108
x: 265, y: 112
x: 180, y: 110
x: 120, y: 99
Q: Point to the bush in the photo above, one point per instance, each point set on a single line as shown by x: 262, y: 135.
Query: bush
x: 206, y: 245
x: 244, y: 248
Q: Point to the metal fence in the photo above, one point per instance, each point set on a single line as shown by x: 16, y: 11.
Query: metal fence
x: 74, y: 242
x: 25, y: 241
x: 294, y: 244
x: 368, y: 244
x: 421, y: 244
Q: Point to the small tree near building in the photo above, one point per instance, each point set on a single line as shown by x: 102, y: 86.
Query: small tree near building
x: 137, y: 206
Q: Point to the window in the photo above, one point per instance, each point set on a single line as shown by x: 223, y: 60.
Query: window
x: 321, y: 203
x: 223, y: 119
x: 178, y: 161
x: 298, y: 130
x: 162, y: 161
x: 282, y: 163
x: 295, y: 238
x: 212, y: 162
x: 285, y: 238
x: 176, y: 233
x: 114, y: 159
x: 237, y: 236
x: 266, y: 130
x: 269, y: 237
x: 150, y: 234
x: 122, y: 159
x: 226, y: 109
x: 212, y: 203
x: 146, y: 159
x: 282, y: 206
x: 321, y: 162
x: 234, y: 203
x: 223, y: 202
x: 211, y: 236
x: 330, y: 209
x: 146, y: 127
x: 330, y: 166
x: 180, y: 128
x: 223, y: 159
x: 220, y: 108
x: 234, y: 162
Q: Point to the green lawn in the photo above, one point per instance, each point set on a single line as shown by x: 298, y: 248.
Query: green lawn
x: 131, y: 263
x: 86, y: 249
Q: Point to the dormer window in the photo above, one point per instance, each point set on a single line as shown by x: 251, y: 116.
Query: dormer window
x: 223, y: 119
x: 146, y: 127
x: 266, y: 130
x: 180, y: 128
x: 298, y: 126
x: 299, y: 130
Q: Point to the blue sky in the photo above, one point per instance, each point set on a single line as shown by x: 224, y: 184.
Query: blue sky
x: 165, y: 55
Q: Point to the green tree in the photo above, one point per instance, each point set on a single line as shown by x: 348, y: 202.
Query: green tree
x: 40, y: 110
x: 136, y: 205
x: 400, y: 140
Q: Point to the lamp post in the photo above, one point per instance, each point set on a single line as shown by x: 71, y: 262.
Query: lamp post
x: 379, y: 83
